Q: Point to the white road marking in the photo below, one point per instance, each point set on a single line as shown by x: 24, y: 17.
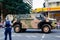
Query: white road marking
x: 1, y: 32
x: 31, y: 36
x: 58, y: 36
x: 34, y: 36
x: 28, y: 36
x: 1, y: 38
x: 14, y: 35
x: 43, y: 36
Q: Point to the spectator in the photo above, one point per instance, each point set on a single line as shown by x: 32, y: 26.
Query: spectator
x: 58, y: 25
x: 8, y: 28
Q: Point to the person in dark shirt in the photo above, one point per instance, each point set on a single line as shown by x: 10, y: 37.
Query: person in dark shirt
x: 8, y: 29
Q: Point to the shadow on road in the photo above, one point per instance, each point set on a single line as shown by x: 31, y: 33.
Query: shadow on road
x: 53, y: 32
x: 33, y: 32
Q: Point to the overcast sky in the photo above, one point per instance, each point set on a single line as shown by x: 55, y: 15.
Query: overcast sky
x: 38, y: 3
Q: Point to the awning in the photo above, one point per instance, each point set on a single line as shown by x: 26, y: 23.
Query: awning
x: 52, y: 9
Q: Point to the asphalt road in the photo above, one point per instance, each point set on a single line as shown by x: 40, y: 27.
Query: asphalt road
x: 33, y: 34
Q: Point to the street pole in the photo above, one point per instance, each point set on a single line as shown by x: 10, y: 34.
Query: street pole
x: 48, y: 8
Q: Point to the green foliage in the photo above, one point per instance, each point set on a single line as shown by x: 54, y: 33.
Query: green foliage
x: 17, y: 6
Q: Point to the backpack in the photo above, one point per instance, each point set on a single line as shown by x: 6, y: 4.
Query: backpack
x: 7, y: 24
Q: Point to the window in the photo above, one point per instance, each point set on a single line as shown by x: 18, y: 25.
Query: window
x: 58, y: 3
x: 52, y: 4
x: 40, y: 17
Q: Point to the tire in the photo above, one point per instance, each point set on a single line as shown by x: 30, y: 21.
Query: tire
x: 46, y: 28
x: 17, y: 28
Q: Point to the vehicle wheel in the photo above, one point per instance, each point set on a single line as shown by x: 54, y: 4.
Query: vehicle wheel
x: 46, y: 28
x: 17, y: 28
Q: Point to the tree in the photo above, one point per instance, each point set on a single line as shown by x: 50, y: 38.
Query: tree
x: 16, y: 7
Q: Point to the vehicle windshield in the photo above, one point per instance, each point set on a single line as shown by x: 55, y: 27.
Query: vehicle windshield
x: 40, y: 16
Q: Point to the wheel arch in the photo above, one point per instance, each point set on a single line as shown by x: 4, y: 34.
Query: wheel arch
x: 18, y: 24
x: 43, y: 23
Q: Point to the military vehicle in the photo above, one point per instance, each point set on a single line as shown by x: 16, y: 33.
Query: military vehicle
x: 22, y: 22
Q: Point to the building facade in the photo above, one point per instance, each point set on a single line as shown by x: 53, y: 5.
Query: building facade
x: 53, y: 8
x: 52, y: 3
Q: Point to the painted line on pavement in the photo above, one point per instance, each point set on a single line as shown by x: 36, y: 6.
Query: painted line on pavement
x: 31, y: 36
x: 14, y: 35
x: 1, y: 38
x: 43, y: 36
x: 1, y: 32
x: 57, y: 36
